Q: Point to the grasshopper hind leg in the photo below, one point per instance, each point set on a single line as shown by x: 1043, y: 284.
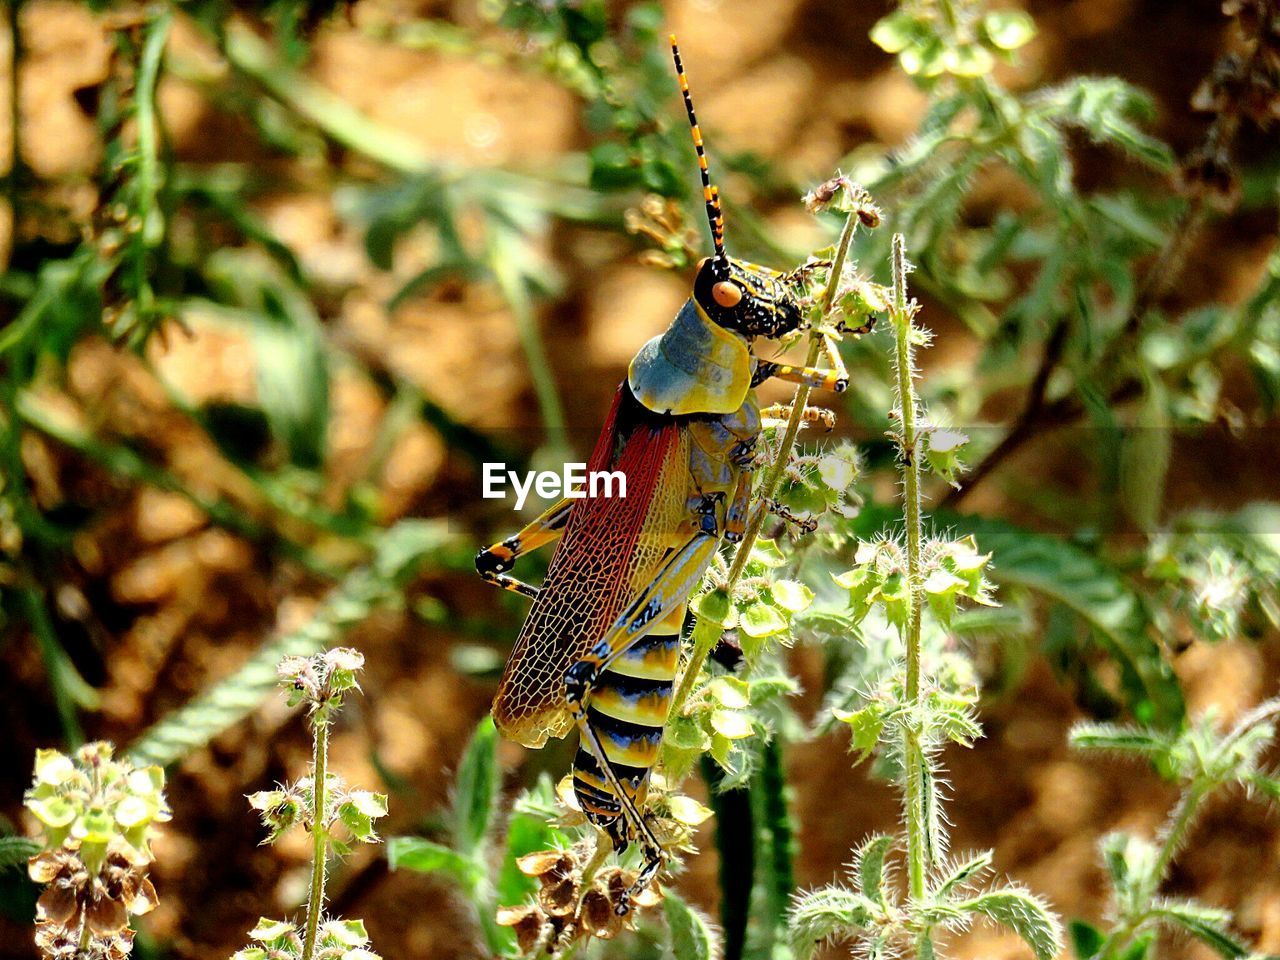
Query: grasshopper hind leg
x: 621, y: 722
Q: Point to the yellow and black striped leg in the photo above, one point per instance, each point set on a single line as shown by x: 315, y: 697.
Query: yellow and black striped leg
x: 782, y: 411
x: 836, y: 379
x: 493, y: 562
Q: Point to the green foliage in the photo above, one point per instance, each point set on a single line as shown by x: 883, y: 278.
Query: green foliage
x: 1061, y: 293
x: 401, y: 552
x: 465, y: 861
x: 1203, y: 760
x: 692, y: 935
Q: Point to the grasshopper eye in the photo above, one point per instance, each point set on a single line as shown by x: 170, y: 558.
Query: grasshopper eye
x: 727, y: 294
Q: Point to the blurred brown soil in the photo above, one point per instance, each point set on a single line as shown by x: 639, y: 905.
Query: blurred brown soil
x: 170, y: 603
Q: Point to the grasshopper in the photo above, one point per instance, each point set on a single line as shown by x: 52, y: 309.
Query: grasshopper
x: 600, y: 648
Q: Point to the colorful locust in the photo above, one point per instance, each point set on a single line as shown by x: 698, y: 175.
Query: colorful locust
x: 601, y: 645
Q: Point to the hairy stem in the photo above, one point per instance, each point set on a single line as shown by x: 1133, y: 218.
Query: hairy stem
x: 705, y: 635
x: 319, y: 834
x: 901, y: 311
x: 1175, y: 830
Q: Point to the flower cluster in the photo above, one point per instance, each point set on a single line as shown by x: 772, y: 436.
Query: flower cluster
x: 292, y: 803
x: 958, y: 39
x: 97, y: 814
x: 320, y: 681
x: 572, y: 903
x: 279, y: 940
x: 318, y: 803
x: 952, y: 569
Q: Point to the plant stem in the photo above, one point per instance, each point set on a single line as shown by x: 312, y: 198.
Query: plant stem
x: 705, y: 635
x: 1174, y: 832
x: 781, y: 458
x: 1176, y: 828
x: 901, y: 311
x: 148, y: 162
x: 320, y: 835
x: 319, y: 106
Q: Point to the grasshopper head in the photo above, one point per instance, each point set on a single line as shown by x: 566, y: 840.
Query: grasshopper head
x: 744, y: 297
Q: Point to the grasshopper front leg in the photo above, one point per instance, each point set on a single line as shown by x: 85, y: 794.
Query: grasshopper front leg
x: 493, y: 562
x: 836, y: 379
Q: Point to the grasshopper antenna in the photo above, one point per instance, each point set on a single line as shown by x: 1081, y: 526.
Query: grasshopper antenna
x: 710, y: 194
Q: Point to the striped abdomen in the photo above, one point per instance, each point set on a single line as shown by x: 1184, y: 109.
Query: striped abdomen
x: 627, y: 709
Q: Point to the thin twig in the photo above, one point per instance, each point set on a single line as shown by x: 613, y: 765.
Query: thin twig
x: 783, y: 454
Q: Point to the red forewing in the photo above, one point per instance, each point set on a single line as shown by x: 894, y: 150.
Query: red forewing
x: 610, y: 545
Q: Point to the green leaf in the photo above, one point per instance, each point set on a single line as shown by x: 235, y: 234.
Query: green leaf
x: 791, y: 595
x: 870, y: 860
x: 476, y: 788
x: 691, y: 933
x: 55, y: 812
x: 732, y: 724
x: 1094, y: 592
x: 865, y: 727
x: 291, y: 360
x: 1122, y: 738
x: 613, y: 167
x: 268, y: 929
x: 766, y: 553
x: 16, y: 851
x: 1107, y: 109
x: 895, y: 32
x: 730, y: 692
x: 827, y: 914
x: 762, y: 620
x: 963, y: 872
x: 968, y: 60
x: 1143, y: 946
x: 1210, y: 926
x: 1086, y: 939
x: 714, y: 605
x: 1022, y: 913
x: 1268, y: 786
x: 1130, y: 863
x: 427, y: 856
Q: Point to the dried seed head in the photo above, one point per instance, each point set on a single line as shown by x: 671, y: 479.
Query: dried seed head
x: 841, y: 193
x: 542, y: 862
x: 530, y: 925
x: 559, y: 898
x: 598, y: 916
